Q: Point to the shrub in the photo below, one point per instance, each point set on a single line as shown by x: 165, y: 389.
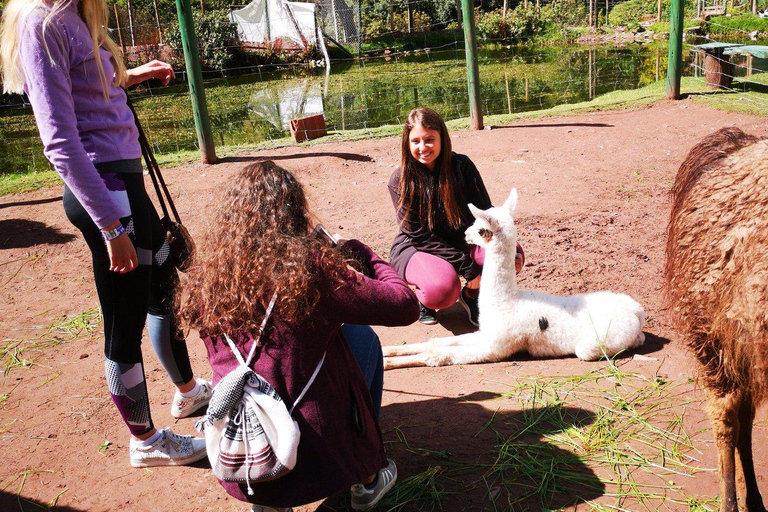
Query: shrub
x: 566, y: 13
x: 377, y: 27
x: 525, y: 23
x: 520, y: 25
x: 217, y: 38
x: 741, y: 23
x: 488, y: 24
x: 629, y: 13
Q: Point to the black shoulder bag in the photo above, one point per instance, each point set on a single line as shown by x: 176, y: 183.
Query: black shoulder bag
x: 181, y: 242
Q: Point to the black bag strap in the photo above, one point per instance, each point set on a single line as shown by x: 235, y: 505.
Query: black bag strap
x: 154, y: 170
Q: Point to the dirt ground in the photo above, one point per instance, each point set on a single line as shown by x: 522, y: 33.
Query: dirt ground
x: 592, y: 213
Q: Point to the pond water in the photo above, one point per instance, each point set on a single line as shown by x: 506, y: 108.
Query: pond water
x: 259, y: 106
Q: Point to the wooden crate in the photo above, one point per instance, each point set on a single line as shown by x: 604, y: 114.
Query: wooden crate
x: 306, y: 128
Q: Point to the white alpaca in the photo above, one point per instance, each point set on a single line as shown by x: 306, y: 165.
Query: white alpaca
x: 589, y: 325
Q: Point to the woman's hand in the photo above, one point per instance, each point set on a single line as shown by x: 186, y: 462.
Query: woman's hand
x: 154, y: 69
x: 122, y: 253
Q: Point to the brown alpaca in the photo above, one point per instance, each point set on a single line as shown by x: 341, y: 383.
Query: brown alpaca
x: 717, y: 282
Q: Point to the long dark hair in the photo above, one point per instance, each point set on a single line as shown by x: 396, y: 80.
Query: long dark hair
x: 259, y: 243
x: 417, y: 184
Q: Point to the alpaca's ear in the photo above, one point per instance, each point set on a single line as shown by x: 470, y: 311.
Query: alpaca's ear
x: 477, y: 212
x: 511, y: 203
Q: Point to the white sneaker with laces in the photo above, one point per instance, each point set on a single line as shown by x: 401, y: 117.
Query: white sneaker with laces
x: 170, y: 449
x: 183, y: 406
x: 364, y: 498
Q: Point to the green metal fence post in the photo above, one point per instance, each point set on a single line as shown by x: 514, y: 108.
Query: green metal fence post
x: 195, y: 76
x: 675, y: 65
x: 473, y: 75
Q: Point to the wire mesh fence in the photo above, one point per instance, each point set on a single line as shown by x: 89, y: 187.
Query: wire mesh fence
x: 734, y: 64
x: 253, y: 101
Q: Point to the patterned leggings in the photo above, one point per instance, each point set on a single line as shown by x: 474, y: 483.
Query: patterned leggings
x: 126, y: 299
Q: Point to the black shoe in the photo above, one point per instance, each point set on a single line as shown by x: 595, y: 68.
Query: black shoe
x: 471, y: 307
x: 427, y: 316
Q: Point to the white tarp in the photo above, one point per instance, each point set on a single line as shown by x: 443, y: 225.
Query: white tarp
x: 263, y: 21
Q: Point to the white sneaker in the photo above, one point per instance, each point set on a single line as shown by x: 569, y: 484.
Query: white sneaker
x: 170, y: 450
x: 183, y: 406
x: 364, y: 498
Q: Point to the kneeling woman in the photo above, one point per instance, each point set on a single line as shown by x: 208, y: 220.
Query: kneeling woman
x: 260, y: 244
x: 430, y: 191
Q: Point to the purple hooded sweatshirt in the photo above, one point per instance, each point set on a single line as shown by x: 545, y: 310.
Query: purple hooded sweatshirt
x: 78, y: 125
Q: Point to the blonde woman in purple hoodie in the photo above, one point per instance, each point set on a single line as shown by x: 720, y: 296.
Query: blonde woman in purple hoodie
x: 58, y: 52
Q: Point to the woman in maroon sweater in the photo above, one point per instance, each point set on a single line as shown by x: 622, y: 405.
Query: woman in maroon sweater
x: 261, y: 244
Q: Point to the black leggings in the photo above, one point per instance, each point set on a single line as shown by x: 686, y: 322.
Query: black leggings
x: 127, y: 298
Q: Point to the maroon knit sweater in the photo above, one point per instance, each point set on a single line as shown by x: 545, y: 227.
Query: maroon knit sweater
x: 335, y: 451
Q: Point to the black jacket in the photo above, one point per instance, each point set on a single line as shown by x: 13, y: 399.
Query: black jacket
x: 442, y: 241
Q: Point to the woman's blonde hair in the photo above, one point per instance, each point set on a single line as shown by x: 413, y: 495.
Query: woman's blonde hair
x: 93, y: 12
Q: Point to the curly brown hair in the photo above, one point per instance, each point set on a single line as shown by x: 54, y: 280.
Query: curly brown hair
x: 259, y: 243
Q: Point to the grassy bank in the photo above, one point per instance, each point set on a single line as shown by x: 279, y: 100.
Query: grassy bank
x: 750, y: 99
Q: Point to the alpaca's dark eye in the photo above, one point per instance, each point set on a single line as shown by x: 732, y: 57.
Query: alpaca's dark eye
x: 487, y: 234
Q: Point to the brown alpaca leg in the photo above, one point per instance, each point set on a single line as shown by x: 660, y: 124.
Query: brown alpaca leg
x: 723, y: 412
x: 748, y: 486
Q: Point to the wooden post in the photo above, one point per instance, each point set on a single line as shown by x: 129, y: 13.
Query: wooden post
x: 749, y: 64
x: 119, y: 30
x: 159, y: 28
x: 473, y: 74
x: 267, y: 27
x: 341, y: 88
x: 658, y: 11
x: 675, y: 64
x: 509, y: 99
x: 458, y: 12
x: 335, y: 21
x: 590, y: 76
x: 130, y: 23
x: 410, y: 18
x: 195, y: 75
x: 526, y: 90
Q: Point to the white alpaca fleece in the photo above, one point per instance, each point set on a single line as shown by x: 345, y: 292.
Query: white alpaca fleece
x: 588, y: 325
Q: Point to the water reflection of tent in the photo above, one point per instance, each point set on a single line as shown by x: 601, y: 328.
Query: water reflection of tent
x: 279, y: 104
x: 264, y: 21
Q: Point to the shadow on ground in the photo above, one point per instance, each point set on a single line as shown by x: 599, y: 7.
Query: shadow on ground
x: 32, y: 202
x: 15, y: 503
x: 21, y: 233
x: 456, y: 454
x: 261, y: 158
